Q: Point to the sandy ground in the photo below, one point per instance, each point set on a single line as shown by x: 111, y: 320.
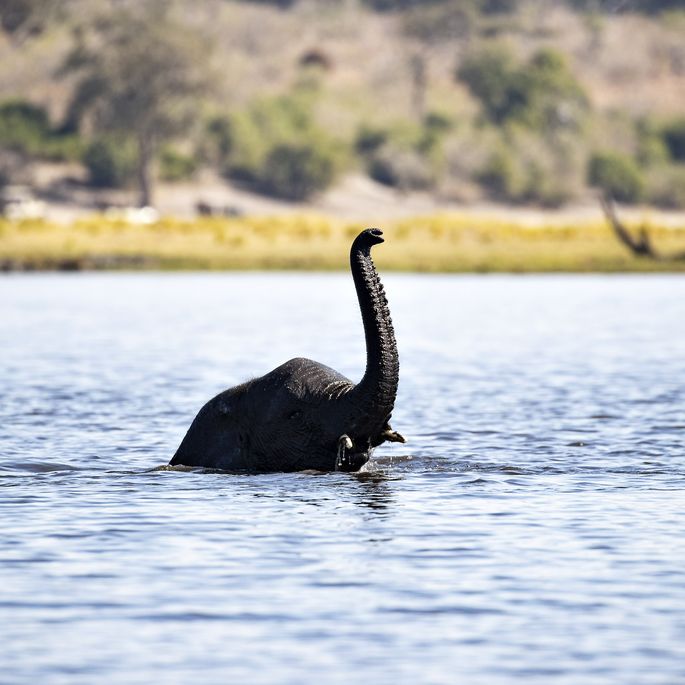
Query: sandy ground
x: 355, y: 198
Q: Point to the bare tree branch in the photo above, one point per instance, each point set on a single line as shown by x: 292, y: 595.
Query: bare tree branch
x: 640, y: 246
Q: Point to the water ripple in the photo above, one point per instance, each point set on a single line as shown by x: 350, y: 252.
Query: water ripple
x: 530, y: 530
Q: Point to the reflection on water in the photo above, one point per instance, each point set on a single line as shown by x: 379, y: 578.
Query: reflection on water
x: 531, y: 530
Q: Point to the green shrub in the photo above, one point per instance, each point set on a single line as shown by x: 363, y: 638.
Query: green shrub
x: 23, y: 126
x: 554, y: 168
x: 618, y: 175
x: 525, y: 167
x: 551, y: 184
x: 492, y: 76
x: 400, y: 167
x: 674, y: 138
x: 249, y: 136
x: 111, y: 161
x: 217, y: 140
x: 501, y: 177
x: 556, y: 99
x: 651, y: 146
x: 666, y: 187
x: 296, y: 171
x: 438, y: 123
x: 369, y: 139
x: 25, y: 129
x: 176, y: 166
x: 405, y: 155
x: 248, y: 150
x: 276, y: 147
x: 62, y: 148
x: 435, y: 128
x: 542, y: 93
x: 25, y: 113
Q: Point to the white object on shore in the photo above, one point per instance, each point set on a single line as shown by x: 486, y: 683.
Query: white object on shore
x: 133, y: 215
x: 17, y: 202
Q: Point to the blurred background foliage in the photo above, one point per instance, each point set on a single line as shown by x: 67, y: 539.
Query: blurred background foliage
x: 513, y: 101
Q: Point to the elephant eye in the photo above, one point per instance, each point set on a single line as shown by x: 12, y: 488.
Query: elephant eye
x: 295, y: 414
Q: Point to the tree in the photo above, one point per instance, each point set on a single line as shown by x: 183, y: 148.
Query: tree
x: 640, y: 246
x: 138, y: 71
x: 276, y: 147
x: 429, y: 25
x: 617, y: 175
x: 493, y: 77
x: 542, y: 93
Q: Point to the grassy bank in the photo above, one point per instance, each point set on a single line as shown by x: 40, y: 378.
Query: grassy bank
x: 439, y: 243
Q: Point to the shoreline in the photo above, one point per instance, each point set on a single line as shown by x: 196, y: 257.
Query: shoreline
x: 435, y: 243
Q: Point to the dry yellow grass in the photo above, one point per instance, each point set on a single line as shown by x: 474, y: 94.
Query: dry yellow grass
x: 438, y: 243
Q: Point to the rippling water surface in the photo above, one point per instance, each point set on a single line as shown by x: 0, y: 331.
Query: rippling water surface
x: 532, y: 530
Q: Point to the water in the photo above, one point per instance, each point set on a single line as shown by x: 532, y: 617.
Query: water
x: 532, y: 530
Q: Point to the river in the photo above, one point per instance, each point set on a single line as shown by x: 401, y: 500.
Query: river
x: 532, y: 529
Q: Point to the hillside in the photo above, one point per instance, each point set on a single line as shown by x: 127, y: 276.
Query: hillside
x: 532, y: 104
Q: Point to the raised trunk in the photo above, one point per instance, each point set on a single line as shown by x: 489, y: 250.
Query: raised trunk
x: 372, y: 400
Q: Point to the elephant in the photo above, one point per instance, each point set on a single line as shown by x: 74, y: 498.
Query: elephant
x: 304, y: 415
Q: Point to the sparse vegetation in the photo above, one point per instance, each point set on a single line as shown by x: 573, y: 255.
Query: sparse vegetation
x: 541, y: 93
x: 441, y: 243
x: 26, y: 130
x: 111, y: 161
x: 666, y: 186
x: 501, y: 176
x: 295, y: 171
x: 405, y: 155
x: 485, y: 99
x: 674, y: 138
x: 277, y: 148
x: 23, y: 126
x: 175, y: 165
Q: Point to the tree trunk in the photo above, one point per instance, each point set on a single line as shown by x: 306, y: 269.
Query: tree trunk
x: 144, y: 170
x: 419, y: 85
x: 640, y: 246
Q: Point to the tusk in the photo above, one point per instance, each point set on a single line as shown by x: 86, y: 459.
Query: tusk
x: 393, y: 436
x: 344, y: 443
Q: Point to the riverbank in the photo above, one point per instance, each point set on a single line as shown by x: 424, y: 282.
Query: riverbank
x: 435, y: 243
